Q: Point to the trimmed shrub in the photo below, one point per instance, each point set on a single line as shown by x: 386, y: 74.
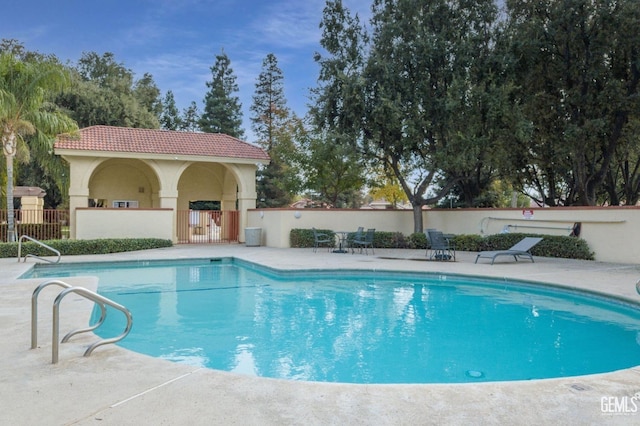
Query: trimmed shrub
x: 418, y: 240
x: 385, y: 239
x: 301, y: 238
x: 551, y: 246
x: 469, y: 242
x: 78, y: 247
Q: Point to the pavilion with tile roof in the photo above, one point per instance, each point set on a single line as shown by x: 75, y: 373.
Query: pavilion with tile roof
x: 157, y: 171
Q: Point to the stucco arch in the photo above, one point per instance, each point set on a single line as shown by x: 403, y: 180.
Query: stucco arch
x: 246, y: 185
x: 125, y: 179
x: 200, y: 181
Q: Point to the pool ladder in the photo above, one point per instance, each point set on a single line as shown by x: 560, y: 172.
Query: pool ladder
x: 41, y: 244
x: 88, y: 294
x: 638, y: 286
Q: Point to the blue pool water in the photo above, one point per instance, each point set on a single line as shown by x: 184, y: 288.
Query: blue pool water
x: 361, y: 327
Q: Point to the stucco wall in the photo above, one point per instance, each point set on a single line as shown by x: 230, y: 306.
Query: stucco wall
x: 613, y: 233
x: 124, y: 223
x: 276, y: 224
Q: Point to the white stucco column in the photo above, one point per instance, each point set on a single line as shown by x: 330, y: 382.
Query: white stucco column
x: 80, y: 170
x: 244, y: 191
x: 169, y: 200
x: 246, y: 201
x: 78, y: 198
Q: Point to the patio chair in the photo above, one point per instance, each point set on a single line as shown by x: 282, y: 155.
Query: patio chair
x: 320, y: 238
x: 521, y: 249
x: 426, y: 234
x: 363, y: 241
x: 441, y: 248
x: 358, y: 235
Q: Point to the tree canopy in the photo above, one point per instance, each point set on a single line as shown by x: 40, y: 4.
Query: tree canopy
x: 449, y: 97
x: 397, y: 96
x: 104, y: 91
x: 577, y: 64
x: 29, y: 122
x: 463, y: 99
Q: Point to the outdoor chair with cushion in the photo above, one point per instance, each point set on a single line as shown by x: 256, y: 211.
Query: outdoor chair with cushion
x: 521, y: 249
x: 441, y: 248
x: 363, y: 241
x: 320, y: 238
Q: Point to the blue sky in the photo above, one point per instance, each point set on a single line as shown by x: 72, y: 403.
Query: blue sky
x: 176, y: 40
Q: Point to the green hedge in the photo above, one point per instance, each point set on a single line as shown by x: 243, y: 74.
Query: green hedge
x: 301, y: 238
x: 77, y: 247
x: 551, y: 246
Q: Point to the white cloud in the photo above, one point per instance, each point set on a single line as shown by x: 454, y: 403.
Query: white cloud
x: 291, y: 24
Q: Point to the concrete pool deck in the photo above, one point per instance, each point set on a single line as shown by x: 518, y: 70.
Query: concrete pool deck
x: 117, y: 387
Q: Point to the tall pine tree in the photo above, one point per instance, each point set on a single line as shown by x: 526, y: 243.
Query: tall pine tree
x: 170, y: 117
x: 269, y: 107
x: 271, y: 123
x: 222, y: 109
x: 335, y: 165
x: 190, y: 118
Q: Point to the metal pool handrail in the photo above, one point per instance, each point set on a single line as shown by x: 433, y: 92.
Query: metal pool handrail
x: 88, y: 294
x: 40, y: 243
x: 34, y: 308
x: 638, y: 286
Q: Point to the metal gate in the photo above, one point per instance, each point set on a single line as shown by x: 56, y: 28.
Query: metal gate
x: 40, y: 224
x: 208, y: 226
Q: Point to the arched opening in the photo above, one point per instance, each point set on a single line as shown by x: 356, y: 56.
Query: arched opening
x: 206, y: 212
x: 123, y: 183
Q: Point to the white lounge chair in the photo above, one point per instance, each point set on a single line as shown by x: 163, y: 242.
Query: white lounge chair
x: 521, y: 249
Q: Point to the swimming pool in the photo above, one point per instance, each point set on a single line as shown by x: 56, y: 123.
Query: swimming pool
x: 362, y: 327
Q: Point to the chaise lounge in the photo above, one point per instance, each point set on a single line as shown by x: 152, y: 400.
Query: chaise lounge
x: 520, y: 249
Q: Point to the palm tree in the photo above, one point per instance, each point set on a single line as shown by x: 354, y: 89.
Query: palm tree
x: 26, y: 114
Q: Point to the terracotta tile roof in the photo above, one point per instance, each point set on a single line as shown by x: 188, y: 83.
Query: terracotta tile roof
x: 151, y: 141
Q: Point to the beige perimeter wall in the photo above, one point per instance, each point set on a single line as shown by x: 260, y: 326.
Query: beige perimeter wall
x: 613, y: 233
x: 124, y: 223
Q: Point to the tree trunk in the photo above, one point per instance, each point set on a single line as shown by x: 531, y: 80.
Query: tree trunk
x: 10, y: 213
x: 417, y: 218
x: 9, y: 149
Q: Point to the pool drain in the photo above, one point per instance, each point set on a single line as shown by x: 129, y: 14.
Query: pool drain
x: 475, y: 374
